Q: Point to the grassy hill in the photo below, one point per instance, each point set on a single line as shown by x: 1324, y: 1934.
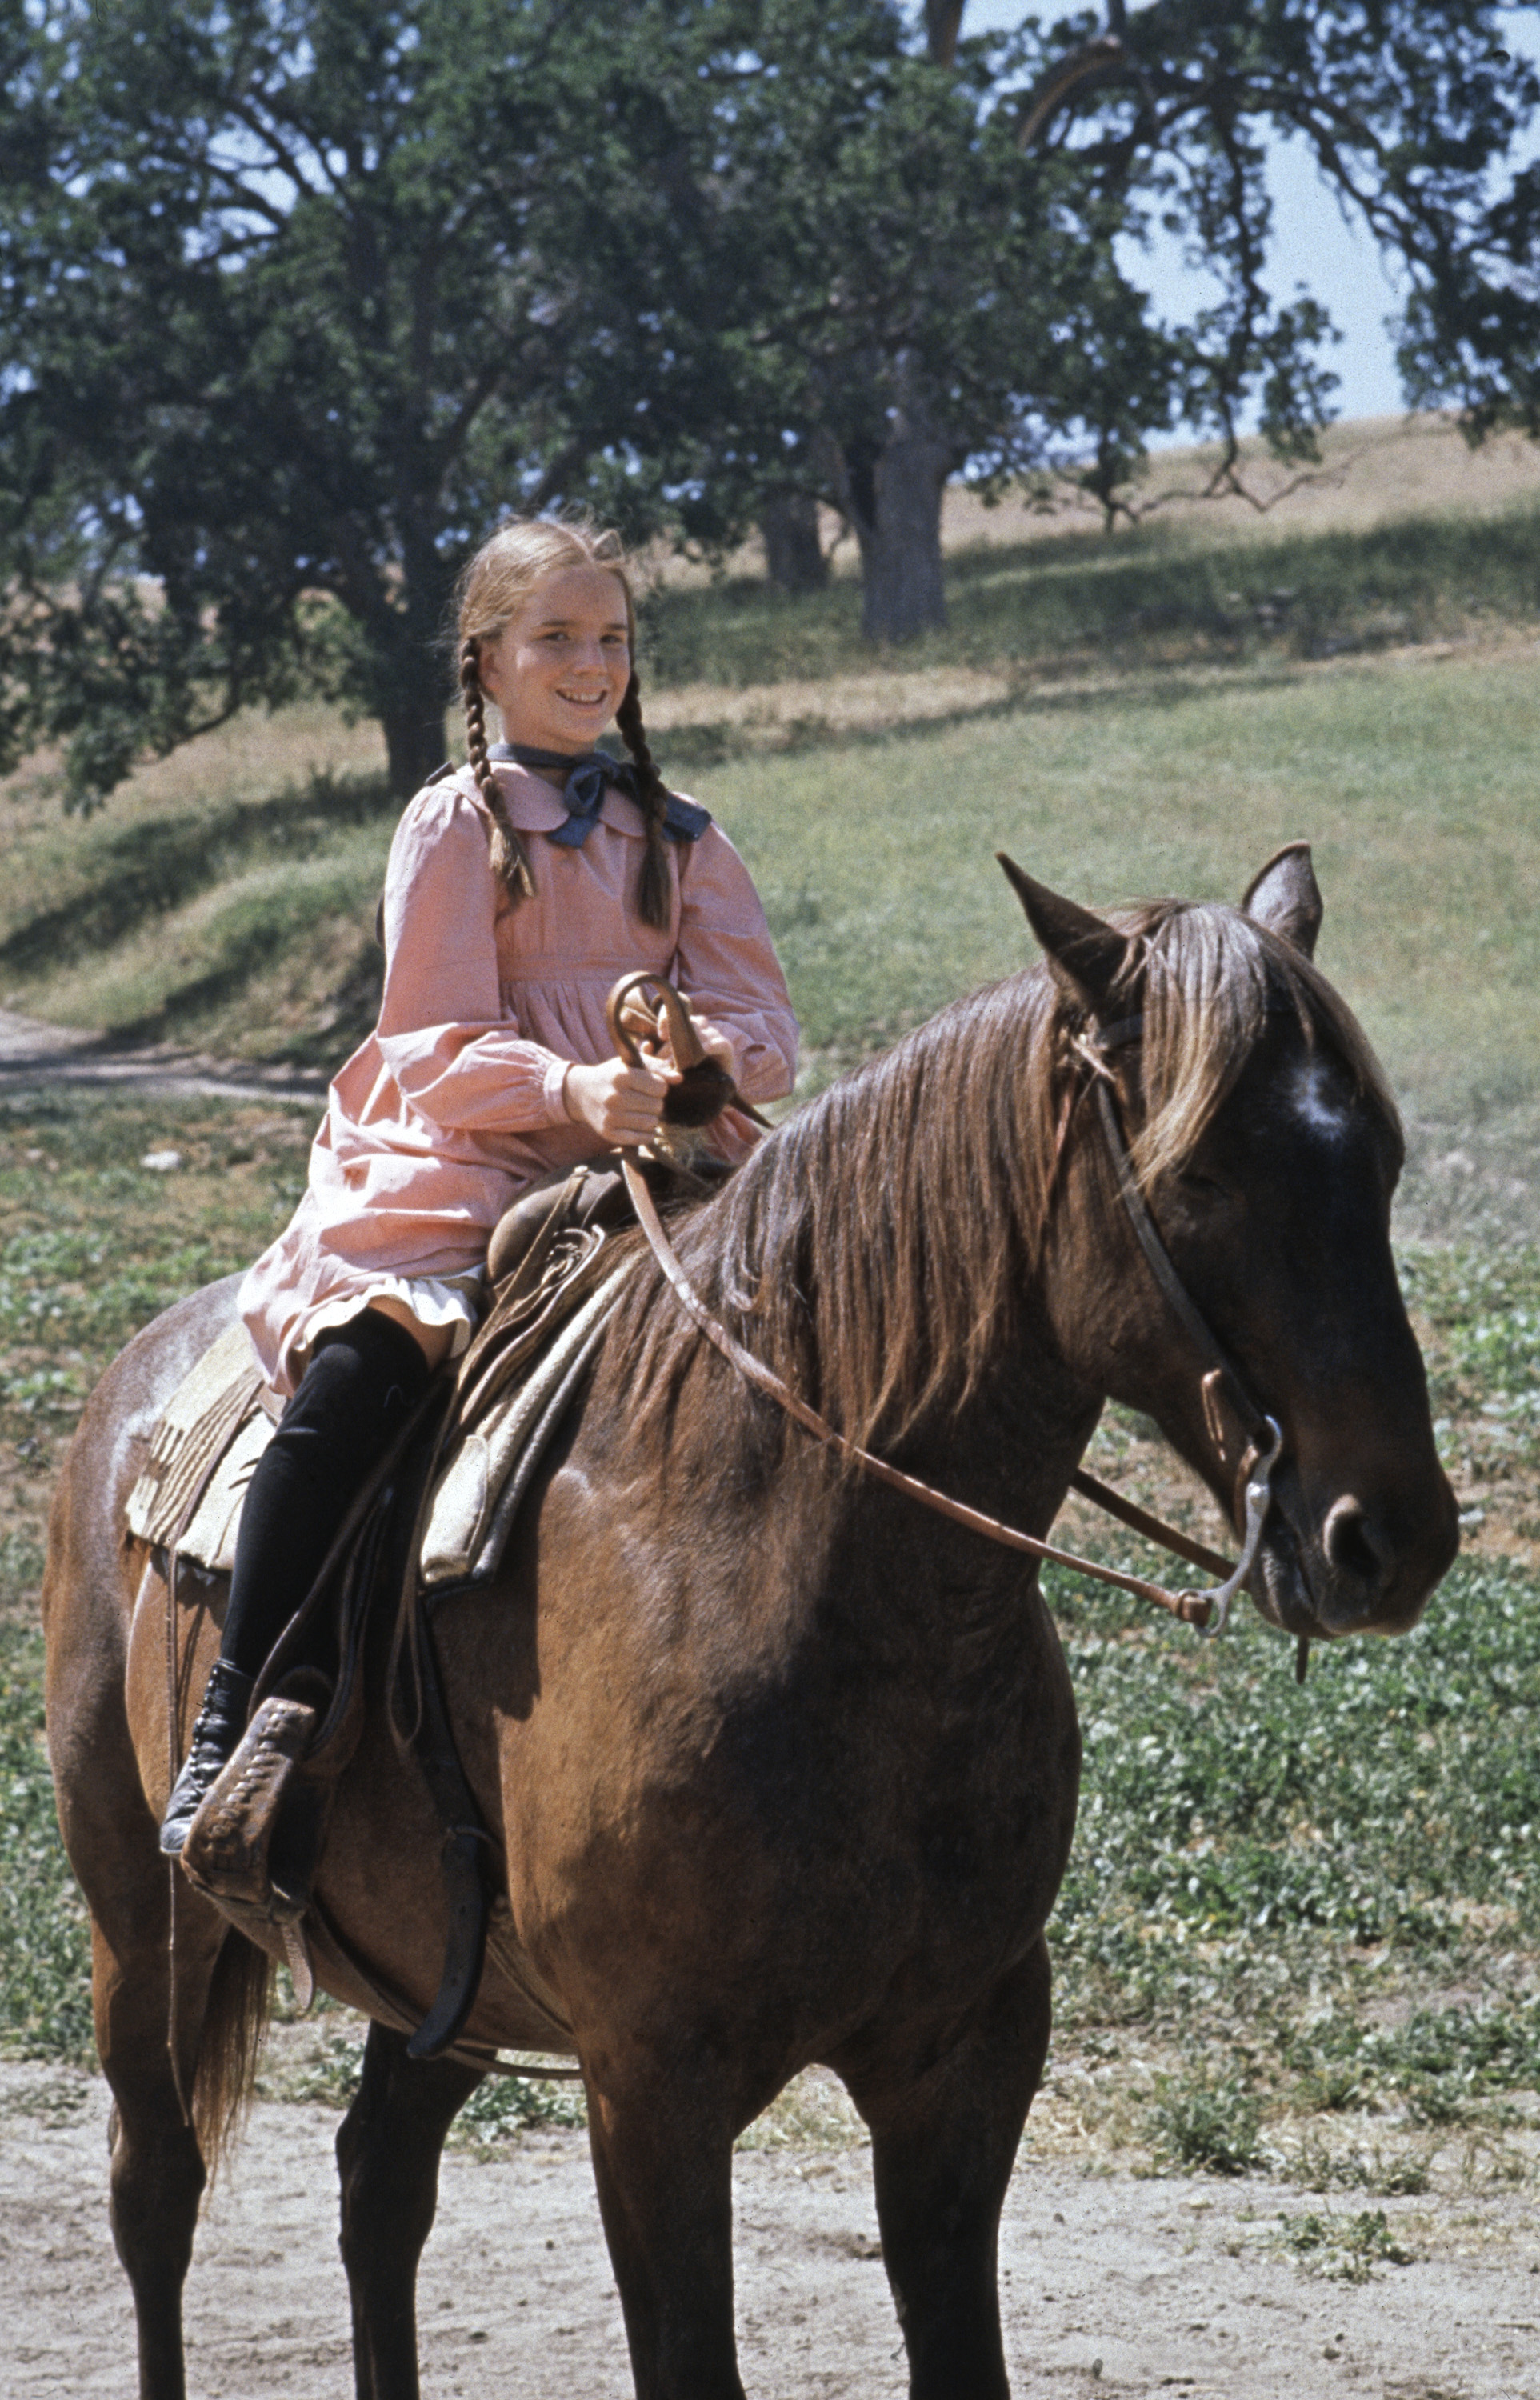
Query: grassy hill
x: 1149, y: 712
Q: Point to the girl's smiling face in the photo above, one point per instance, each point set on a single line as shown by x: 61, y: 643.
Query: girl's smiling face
x: 558, y: 670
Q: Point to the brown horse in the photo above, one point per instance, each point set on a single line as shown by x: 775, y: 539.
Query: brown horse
x: 779, y: 1767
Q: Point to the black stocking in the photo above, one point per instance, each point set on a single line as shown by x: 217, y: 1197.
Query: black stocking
x: 363, y: 1379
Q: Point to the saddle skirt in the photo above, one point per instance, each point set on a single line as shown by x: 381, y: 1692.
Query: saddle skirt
x: 521, y: 1379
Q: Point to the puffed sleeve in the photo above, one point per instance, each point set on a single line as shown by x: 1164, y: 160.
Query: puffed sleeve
x: 727, y: 967
x: 443, y: 1034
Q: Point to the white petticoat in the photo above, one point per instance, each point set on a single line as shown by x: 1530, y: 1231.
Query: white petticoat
x: 456, y: 1300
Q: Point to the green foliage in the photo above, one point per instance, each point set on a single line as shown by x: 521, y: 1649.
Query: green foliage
x: 330, y: 2075
x: 1221, y: 1808
x: 91, y: 1245
x: 1486, y: 1377
x: 1346, y: 2249
x: 303, y: 295
x: 53, y: 1287
x: 505, y: 2106
x: 1487, y: 1311
x: 45, y: 1956
x: 1210, y: 2127
x: 1440, y: 2062
x: 912, y: 291
x: 500, y: 2108
x: 311, y: 294
x: 21, y: 1572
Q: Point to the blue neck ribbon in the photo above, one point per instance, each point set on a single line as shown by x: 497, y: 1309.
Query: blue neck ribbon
x: 588, y: 779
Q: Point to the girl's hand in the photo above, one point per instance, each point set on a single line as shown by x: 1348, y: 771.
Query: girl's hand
x: 621, y: 1103
x: 713, y: 1041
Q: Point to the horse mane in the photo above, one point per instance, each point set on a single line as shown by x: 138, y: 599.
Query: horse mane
x: 874, y: 1249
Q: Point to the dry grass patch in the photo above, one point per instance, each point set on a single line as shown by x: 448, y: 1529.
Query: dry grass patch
x: 1372, y: 468
x: 801, y: 709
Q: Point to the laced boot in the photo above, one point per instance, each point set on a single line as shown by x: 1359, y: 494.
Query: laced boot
x: 220, y: 1722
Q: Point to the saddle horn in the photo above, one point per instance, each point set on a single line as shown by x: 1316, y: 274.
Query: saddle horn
x: 704, y: 1088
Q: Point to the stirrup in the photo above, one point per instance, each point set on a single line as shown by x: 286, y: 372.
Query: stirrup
x: 218, y: 1728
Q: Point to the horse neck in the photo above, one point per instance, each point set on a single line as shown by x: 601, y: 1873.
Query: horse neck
x: 894, y: 1236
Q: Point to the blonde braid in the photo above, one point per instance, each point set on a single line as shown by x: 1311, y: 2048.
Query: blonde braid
x: 655, y: 896
x: 509, y: 860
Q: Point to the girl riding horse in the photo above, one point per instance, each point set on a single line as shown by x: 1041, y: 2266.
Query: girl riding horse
x: 517, y: 891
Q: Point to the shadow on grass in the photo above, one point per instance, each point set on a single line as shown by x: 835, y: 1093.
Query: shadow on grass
x: 1086, y: 687
x: 1129, y: 599
x: 348, y: 1018
x: 258, y: 931
x: 144, y: 871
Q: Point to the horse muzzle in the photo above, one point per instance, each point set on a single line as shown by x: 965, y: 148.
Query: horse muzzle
x: 1352, y: 1565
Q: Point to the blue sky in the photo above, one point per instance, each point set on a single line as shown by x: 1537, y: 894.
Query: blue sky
x: 1313, y: 243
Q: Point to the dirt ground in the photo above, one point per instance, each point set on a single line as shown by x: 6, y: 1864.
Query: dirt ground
x: 1130, y: 2285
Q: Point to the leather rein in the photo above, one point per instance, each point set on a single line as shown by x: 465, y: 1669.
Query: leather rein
x: 1224, y: 1393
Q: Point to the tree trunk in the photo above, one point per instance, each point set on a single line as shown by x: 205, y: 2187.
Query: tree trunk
x: 410, y: 677
x: 413, y: 724
x: 794, y: 554
x: 892, y: 497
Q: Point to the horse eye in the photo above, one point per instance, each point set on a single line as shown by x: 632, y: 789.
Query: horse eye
x: 1202, y: 1187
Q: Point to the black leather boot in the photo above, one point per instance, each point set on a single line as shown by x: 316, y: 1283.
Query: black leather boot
x: 219, y: 1724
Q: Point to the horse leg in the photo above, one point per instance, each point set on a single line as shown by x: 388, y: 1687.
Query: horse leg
x: 157, y: 2171
x: 156, y: 2174
x: 943, y: 2147
x: 662, y: 2162
x: 389, y: 2149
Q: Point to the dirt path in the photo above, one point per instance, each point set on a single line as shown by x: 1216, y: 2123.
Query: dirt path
x: 34, y: 1056
x: 1129, y: 2286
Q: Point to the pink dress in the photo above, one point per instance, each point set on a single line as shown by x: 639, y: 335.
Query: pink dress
x: 454, y: 1104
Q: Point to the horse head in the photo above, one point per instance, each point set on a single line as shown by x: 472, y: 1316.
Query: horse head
x: 1265, y: 1147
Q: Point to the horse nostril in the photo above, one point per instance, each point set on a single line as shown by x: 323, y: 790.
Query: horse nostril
x: 1355, y: 1547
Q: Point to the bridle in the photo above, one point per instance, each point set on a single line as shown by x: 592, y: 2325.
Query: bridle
x: 1224, y: 1391
x: 1232, y: 1417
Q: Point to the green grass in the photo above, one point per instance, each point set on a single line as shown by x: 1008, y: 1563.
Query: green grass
x: 91, y: 1245
x: 1416, y: 783
x: 1391, y: 1805
x: 45, y: 1957
x: 499, y: 2111
x: 1213, y: 2127
x: 1159, y: 593
x: 1169, y: 751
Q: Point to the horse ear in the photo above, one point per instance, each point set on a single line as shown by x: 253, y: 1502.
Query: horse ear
x: 1285, y: 896
x: 1091, y: 954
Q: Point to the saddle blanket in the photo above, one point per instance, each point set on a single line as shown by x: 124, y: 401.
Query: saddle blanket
x: 222, y: 1417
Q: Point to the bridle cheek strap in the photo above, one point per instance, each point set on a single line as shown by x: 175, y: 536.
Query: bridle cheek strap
x: 1227, y: 1405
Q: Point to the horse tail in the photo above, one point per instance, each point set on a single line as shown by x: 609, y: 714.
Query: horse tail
x: 234, y: 2027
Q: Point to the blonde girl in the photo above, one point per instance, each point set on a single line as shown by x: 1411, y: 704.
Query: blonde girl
x: 518, y: 890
